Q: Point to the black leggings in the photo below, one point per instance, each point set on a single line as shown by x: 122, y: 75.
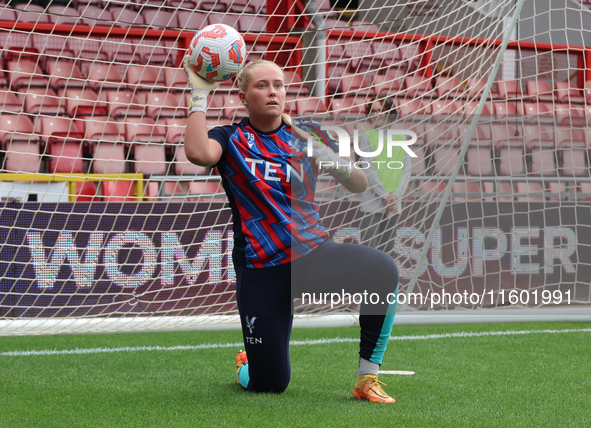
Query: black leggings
x: 265, y: 301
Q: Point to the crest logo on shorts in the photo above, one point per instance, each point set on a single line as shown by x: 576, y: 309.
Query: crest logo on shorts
x: 250, y: 323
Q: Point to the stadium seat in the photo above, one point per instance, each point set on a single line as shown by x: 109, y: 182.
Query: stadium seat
x: 9, y: 102
x: 471, y: 106
x: 509, y: 89
x: 346, y: 107
x: 95, y: 15
x: 387, y: 58
x: 233, y: 108
x: 189, y: 4
x: 126, y: 16
x: 104, y: 76
x: 20, y: 143
x: 199, y: 190
x: 142, y: 78
x: 25, y: 73
x: 83, y: 102
x: 175, y: 129
x: 155, y: 54
x: 181, y: 164
x: 52, y: 48
x: 122, y: 51
x: 447, y: 109
x: 164, y: 104
x: 466, y: 191
x: 86, y: 192
x: 540, y: 90
x: 529, y: 191
x: 387, y: 84
x: 122, y: 103
x: 338, y: 61
x: 117, y: 191
x: 479, y: 156
x: 64, y: 74
x: 106, y: 143
x: 7, y: 14
x: 448, y: 87
x: 572, y: 149
x: 584, y: 191
x: 414, y: 108
x: 172, y: 191
x: 509, y: 148
x: 290, y: 107
x: 539, y: 142
x: 570, y: 114
x: 61, y: 15
x: 354, y: 85
x: 191, y: 18
x: 175, y: 78
x: 361, y: 56
x: 43, y: 101
x: 252, y: 24
x: 475, y: 87
x: 538, y: 112
x: 568, y: 92
x: 159, y: 18
x: 245, y: 6
x: 215, y: 108
x: 64, y: 143
x: 587, y: 91
x: 443, y: 143
x: 147, y: 143
x: 62, y: 126
x: 310, y: 106
x: 293, y: 83
x: 506, y: 109
x: 417, y: 86
x: 364, y: 27
x: 31, y: 13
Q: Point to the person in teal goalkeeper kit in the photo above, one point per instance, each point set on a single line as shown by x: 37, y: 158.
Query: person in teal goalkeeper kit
x: 381, y: 202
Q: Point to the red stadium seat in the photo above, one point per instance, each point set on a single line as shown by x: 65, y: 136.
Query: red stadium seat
x: 142, y: 78
x: 347, y: 106
x: 104, y: 76
x: 587, y: 91
x: 414, y: 108
x: 252, y: 24
x: 199, y: 188
x: 117, y: 191
x: 354, y: 85
x: 446, y: 108
x: 30, y: 13
x: 64, y: 74
x: 538, y: 112
x: 466, y: 190
x: 570, y: 114
x: 443, y: 143
x: 122, y: 51
x: 146, y: 139
x: 175, y: 129
x: 159, y: 18
x: 175, y: 78
x: 122, y: 103
x: 567, y: 92
x: 83, y: 102
x: 479, y: 156
x: 510, y: 149
x: 25, y: 73
x: 43, y: 101
x: 506, y: 109
x: 540, y: 90
x: 361, y: 56
x: 191, y: 18
x: 388, y: 58
x: 95, y: 15
x: 233, y: 108
x: 63, y: 15
x: 529, y: 192
x: 9, y: 102
x: 509, y: 89
x: 52, y: 48
x: 539, y: 141
x: 417, y: 86
x: 7, y: 14
x: 126, y: 16
x: 448, y: 87
x: 64, y: 143
x: 105, y: 139
x: 471, y: 106
x: 572, y: 148
x: 388, y: 84
x: 86, y: 192
x: 20, y: 143
x: 475, y: 87
x: 308, y: 106
x: 164, y: 104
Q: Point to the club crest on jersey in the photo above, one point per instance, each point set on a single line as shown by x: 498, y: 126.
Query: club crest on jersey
x: 250, y: 139
x: 250, y: 323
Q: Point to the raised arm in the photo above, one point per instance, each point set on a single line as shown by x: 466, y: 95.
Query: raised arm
x: 199, y: 149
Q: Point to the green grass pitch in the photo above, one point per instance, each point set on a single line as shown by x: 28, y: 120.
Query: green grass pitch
x: 525, y: 380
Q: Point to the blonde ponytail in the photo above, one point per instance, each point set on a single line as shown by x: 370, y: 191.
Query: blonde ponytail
x: 294, y: 129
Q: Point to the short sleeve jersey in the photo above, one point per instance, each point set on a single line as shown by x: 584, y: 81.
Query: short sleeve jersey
x: 270, y: 185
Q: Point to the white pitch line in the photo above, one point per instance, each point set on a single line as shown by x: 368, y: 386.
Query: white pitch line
x: 78, y: 351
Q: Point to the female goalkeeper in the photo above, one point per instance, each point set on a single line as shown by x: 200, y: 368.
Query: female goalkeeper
x: 280, y: 246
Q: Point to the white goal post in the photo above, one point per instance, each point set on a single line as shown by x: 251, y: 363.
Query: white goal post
x: 106, y: 227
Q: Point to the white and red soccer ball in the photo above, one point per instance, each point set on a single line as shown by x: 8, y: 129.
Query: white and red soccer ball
x: 217, y: 52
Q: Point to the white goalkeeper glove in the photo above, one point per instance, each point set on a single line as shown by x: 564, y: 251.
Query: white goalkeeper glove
x: 329, y: 161
x: 200, y: 89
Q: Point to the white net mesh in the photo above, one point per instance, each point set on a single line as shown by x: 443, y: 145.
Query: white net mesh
x: 104, y: 222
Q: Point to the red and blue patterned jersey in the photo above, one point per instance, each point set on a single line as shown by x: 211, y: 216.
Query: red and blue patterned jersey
x: 270, y: 185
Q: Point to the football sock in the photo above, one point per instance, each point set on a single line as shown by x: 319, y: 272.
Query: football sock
x: 367, y: 367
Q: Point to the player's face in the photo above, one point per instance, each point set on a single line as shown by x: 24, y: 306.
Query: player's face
x: 265, y: 96
x: 377, y: 117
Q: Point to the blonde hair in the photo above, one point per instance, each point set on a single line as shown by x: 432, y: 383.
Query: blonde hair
x: 243, y: 78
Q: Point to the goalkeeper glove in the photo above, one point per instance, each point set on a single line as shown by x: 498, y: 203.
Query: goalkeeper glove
x: 329, y: 161
x: 200, y: 89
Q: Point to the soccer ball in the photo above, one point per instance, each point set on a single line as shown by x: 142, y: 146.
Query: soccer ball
x: 217, y: 52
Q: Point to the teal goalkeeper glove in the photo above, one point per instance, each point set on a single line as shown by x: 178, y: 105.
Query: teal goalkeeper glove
x: 200, y: 89
x: 329, y: 161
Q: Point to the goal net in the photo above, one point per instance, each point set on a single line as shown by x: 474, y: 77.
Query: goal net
x: 106, y: 226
